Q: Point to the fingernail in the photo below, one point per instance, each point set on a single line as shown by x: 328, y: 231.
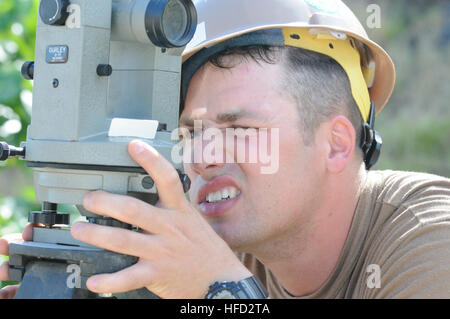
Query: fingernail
x: 87, y: 200
x: 138, y: 147
x: 76, y: 229
x: 92, y: 284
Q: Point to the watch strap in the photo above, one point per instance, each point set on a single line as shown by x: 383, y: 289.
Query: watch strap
x: 249, y: 288
x: 253, y: 288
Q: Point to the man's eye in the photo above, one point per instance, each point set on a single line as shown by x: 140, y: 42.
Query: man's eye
x: 186, y: 134
x: 195, y: 133
x: 241, y: 127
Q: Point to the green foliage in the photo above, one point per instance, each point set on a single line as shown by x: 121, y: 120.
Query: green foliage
x: 415, y: 122
x: 422, y: 145
x: 17, y: 42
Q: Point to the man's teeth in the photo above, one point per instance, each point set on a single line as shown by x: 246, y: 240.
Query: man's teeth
x: 222, y: 195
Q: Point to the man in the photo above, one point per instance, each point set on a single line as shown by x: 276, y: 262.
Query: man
x: 322, y: 225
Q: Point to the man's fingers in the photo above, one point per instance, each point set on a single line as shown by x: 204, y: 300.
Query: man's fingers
x: 124, y: 208
x: 166, y: 177
x: 8, y: 292
x: 6, y: 240
x: 131, y: 278
x: 4, y: 271
x: 4, y: 247
x: 27, y: 233
x: 115, y: 239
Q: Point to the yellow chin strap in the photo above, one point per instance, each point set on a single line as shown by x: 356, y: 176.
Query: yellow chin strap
x: 344, y: 51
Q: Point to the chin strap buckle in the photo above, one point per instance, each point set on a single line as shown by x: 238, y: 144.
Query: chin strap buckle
x: 371, y: 140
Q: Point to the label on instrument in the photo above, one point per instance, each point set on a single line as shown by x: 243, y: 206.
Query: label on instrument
x: 133, y: 128
x: 57, y: 54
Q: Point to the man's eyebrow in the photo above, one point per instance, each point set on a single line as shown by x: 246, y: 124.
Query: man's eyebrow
x: 226, y: 117
x: 233, y: 116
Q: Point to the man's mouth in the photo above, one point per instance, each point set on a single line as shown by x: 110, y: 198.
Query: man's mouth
x: 222, y: 195
x: 218, y: 196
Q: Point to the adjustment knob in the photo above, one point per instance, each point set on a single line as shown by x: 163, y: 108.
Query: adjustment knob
x: 7, y: 151
x: 104, y: 70
x: 28, y: 70
x: 54, y: 12
x: 4, y: 151
x: 48, y: 219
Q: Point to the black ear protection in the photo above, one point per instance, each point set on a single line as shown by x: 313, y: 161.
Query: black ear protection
x: 371, y: 140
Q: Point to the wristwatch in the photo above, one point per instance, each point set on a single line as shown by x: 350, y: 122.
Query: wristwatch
x: 248, y: 288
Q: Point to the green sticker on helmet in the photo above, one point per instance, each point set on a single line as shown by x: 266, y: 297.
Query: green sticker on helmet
x: 327, y: 6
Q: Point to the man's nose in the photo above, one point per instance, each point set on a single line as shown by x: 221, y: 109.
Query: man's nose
x: 208, y: 154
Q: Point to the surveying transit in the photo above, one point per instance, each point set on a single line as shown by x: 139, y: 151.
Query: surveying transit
x: 113, y: 78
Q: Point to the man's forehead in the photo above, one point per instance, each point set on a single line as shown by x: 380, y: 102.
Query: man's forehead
x: 245, y: 73
x: 249, y: 90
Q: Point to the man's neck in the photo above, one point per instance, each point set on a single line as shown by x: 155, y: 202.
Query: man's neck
x: 303, y: 268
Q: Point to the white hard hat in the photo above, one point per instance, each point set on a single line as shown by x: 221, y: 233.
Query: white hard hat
x: 325, y: 26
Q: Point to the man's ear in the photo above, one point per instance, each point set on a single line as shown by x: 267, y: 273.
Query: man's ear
x: 341, y: 143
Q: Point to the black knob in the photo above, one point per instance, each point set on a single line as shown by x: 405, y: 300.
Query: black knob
x: 48, y: 218
x: 147, y: 182
x: 104, y: 70
x: 4, y: 151
x: 28, y: 70
x: 185, y: 181
x: 54, y: 12
x: 7, y: 151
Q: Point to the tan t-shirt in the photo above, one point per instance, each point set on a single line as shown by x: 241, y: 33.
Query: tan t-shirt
x: 402, y: 226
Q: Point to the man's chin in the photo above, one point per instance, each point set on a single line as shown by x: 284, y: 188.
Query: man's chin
x: 235, y: 241
x: 234, y: 232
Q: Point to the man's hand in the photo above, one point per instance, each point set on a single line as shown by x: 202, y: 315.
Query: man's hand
x: 10, y: 291
x: 180, y: 255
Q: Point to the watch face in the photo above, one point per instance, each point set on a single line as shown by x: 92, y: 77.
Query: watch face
x: 223, y: 294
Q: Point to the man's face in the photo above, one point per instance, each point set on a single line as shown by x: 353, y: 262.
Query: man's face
x: 268, y: 207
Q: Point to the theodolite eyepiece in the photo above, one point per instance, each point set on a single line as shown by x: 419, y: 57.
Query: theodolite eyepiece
x: 170, y: 23
x: 164, y: 23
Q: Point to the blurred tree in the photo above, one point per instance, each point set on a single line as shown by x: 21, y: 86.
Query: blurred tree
x: 415, y: 125
x: 17, y: 42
